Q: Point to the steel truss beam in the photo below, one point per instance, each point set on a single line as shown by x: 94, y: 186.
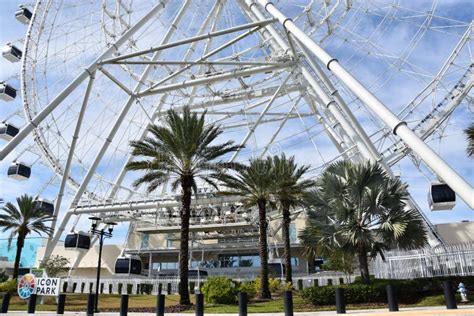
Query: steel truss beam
x: 278, y: 44
x: 202, y: 62
x: 398, y: 127
x: 189, y: 40
x: 260, y: 117
x: 206, y: 80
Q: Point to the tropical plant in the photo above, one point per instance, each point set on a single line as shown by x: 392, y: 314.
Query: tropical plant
x: 360, y: 209
x: 290, y: 188
x: 340, y: 261
x: 180, y: 150
x: 249, y: 288
x: 55, y: 265
x: 470, y: 138
x: 254, y: 183
x: 219, y: 290
x: 21, y: 221
x: 274, y: 285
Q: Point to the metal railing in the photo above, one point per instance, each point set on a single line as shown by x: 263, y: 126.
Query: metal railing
x: 428, y: 262
x: 144, y: 285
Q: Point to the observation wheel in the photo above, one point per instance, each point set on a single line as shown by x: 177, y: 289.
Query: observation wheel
x: 94, y: 74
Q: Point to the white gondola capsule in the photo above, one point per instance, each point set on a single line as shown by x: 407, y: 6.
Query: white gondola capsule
x: 7, y: 92
x: 441, y: 197
x: 78, y: 240
x: 44, y: 204
x: 23, y: 14
x: 19, y: 171
x: 8, y: 131
x: 128, y: 265
x: 11, y: 53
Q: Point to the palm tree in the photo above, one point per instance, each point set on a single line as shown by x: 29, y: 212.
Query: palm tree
x: 360, y: 209
x: 470, y: 138
x: 22, y: 221
x: 180, y: 150
x: 289, y: 191
x: 255, y: 183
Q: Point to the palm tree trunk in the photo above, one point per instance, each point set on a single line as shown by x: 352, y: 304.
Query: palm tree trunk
x: 311, y: 265
x: 286, y: 237
x: 184, y: 242
x: 20, y: 242
x: 363, y: 264
x: 264, y: 284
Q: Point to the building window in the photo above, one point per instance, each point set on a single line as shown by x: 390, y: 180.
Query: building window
x: 293, y: 232
x: 145, y: 241
x: 235, y: 261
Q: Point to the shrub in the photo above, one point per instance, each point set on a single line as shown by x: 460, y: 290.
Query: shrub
x: 219, y: 290
x: 249, y: 288
x: 409, y: 291
x: 320, y: 295
x: 274, y: 285
x: 8, y: 286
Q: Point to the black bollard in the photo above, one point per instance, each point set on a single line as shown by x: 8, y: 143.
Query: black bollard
x: 160, y: 288
x: 340, y: 302
x: 124, y: 305
x: 392, y: 298
x: 242, y: 304
x: 61, y: 304
x: 449, y: 295
x: 5, y: 302
x: 32, y: 304
x: 288, y: 302
x: 168, y: 290
x: 90, y: 304
x: 199, y: 304
x: 160, y: 305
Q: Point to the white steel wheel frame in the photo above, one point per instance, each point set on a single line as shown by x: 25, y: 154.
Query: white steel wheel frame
x: 295, y: 60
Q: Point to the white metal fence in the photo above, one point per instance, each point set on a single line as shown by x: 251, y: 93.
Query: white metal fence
x: 170, y: 285
x: 429, y: 262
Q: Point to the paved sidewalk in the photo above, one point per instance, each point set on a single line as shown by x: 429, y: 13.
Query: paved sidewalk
x: 418, y: 311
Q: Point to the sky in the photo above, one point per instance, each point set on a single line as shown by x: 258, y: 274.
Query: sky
x: 434, y: 47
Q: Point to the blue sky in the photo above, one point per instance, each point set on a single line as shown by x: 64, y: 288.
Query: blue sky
x: 433, y: 48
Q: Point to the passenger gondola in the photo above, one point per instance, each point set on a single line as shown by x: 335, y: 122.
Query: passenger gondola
x: 78, y: 240
x: 7, y: 92
x: 8, y: 131
x: 128, y: 265
x: 19, y: 171
x: 441, y: 197
x: 23, y: 14
x: 44, y: 204
x: 11, y: 53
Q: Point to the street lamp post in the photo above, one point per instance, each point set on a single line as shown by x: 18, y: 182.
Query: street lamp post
x: 103, y: 233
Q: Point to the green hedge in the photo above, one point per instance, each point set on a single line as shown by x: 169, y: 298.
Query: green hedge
x: 409, y: 291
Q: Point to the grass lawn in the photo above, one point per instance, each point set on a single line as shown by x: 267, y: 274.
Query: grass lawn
x: 148, y: 303
x: 78, y: 302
